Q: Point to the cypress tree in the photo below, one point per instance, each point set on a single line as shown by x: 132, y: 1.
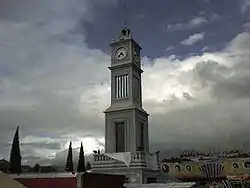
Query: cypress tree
x: 15, y: 155
x: 36, y: 168
x: 88, y: 166
x: 69, y: 163
x: 81, y: 161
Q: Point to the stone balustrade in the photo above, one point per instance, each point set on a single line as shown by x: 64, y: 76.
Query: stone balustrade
x: 138, y: 156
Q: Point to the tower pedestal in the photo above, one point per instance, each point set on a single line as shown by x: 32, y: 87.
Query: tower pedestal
x: 137, y: 172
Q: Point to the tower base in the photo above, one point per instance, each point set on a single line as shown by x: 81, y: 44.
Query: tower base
x: 138, y: 171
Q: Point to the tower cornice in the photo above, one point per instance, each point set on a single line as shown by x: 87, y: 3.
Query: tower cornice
x: 123, y: 65
x: 119, y: 41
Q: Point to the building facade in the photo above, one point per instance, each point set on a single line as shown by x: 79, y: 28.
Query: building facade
x: 126, y: 122
x: 4, y: 165
x: 206, y: 169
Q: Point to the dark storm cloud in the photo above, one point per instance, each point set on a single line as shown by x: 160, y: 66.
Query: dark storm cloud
x: 41, y: 41
x: 224, y: 86
x: 245, y: 8
x: 31, y: 158
x: 54, y: 83
x: 218, y: 118
x: 189, y: 24
x: 43, y: 145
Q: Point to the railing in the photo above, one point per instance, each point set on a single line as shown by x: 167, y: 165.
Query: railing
x: 138, y: 156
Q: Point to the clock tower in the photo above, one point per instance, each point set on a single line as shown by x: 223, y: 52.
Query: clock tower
x: 126, y: 122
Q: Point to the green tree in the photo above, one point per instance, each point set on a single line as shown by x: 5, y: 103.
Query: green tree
x: 36, y: 168
x: 88, y: 166
x: 15, y: 155
x: 81, y: 162
x: 69, y: 163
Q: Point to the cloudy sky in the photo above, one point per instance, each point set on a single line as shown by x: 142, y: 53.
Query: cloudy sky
x: 54, y: 80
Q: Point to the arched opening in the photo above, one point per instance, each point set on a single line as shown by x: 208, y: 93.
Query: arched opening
x: 165, y: 168
x: 177, y: 168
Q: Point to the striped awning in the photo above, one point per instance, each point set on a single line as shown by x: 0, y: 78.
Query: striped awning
x: 211, y: 170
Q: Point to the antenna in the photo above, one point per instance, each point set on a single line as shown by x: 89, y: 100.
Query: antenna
x: 125, y: 14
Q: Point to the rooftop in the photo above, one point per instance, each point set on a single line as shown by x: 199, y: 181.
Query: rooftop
x: 163, y: 185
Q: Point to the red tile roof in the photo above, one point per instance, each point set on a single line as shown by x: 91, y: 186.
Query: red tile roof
x: 47, y: 180
x: 69, y: 182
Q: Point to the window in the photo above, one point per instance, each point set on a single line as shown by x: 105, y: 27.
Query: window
x: 188, y: 168
x: 247, y: 164
x: 121, y: 86
x: 235, y: 165
x: 120, y: 137
x: 140, y: 137
x: 151, y: 180
x: 165, y: 168
x: 126, y: 180
x: 177, y: 168
x: 136, y: 89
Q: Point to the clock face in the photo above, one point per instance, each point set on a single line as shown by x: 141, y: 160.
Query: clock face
x: 121, y: 53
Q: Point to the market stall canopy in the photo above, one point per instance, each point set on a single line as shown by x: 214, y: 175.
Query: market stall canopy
x: 8, y: 182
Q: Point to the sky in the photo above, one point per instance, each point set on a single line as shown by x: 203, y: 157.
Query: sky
x: 55, y: 82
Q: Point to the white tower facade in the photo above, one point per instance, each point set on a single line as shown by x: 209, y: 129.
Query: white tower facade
x: 126, y: 122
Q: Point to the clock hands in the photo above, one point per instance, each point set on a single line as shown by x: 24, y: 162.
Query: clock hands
x: 120, y: 55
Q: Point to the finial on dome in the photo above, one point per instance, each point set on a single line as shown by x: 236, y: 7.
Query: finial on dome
x: 125, y: 33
